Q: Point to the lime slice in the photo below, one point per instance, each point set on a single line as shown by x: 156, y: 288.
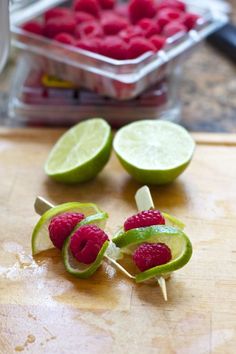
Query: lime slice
x: 173, y: 221
x: 40, y: 240
x: 175, y: 239
x: 79, y: 269
x: 81, y: 153
x: 154, y: 152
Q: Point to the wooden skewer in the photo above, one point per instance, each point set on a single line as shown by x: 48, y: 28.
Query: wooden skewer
x: 144, y: 201
x: 41, y: 205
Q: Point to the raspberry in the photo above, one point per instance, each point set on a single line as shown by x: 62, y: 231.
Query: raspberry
x: 114, y: 47
x: 90, y: 44
x: 57, y: 25
x: 33, y: 27
x: 89, y: 29
x: 86, y: 243
x: 90, y: 6
x: 139, y: 46
x: 173, y: 28
x: 113, y: 24
x: 131, y: 32
x: 189, y: 20
x: 57, y: 12
x: 107, y: 4
x: 165, y: 16
x: 122, y: 10
x: 65, y: 38
x: 149, y: 27
x: 143, y: 219
x: 61, y: 226
x: 150, y: 255
x: 82, y: 16
x: 158, y: 41
x: 171, y: 4
x: 139, y: 9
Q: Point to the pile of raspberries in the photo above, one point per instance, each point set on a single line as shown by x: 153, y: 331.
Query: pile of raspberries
x: 116, y: 30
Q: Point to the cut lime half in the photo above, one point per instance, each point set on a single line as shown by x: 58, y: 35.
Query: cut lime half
x: 79, y: 269
x: 175, y: 239
x: 81, y: 153
x: 154, y: 151
x: 40, y: 240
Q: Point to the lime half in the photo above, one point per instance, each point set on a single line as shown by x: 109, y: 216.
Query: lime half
x: 154, y: 152
x: 81, y: 153
x: 79, y: 269
x: 40, y: 240
x: 175, y: 239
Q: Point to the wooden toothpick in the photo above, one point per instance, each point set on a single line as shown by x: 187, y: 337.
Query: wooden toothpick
x: 144, y: 201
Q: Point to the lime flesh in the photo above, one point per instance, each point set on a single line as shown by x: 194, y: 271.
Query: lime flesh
x: 154, y: 152
x: 175, y: 239
x: 81, y: 153
x: 40, y: 240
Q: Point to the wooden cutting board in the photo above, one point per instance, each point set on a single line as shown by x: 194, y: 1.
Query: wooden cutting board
x: 45, y: 310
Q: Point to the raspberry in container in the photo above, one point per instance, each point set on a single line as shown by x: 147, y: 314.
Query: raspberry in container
x: 117, y: 49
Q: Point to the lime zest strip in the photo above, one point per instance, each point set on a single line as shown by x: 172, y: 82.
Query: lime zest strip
x: 174, y: 221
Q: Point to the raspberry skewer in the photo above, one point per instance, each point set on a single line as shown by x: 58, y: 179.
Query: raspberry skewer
x: 144, y: 201
x: 41, y: 205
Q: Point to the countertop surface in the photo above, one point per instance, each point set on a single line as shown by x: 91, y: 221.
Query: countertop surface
x: 208, y: 90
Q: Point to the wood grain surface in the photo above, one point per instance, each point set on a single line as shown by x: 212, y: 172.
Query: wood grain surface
x: 45, y: 310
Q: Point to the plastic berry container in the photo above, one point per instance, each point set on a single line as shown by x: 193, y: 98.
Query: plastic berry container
x: 120, y: 79
x: 37, y: 99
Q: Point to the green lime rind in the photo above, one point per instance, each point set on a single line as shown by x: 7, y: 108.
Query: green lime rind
x: 173, y: 221
x: 96, y: 158
x: 171, y: 266
x: 40, y: 240
x: 89, y: 270
x: 81, y: 270
x: 177, y: 240
x: 143, y: 234
x: 98, y: 219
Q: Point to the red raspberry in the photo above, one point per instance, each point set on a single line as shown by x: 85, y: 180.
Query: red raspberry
x: 149, y: 27
x: 61, y: 226
x: 65, y: 38
x: 90, y: 44
x: 107, y: 4
x: 158, y: 41
x: 139, y: 9
x: 122, y: 10
x: 34, y: 27
x: 139, y: 46
x: 89, y: 29
x: 113, y: 24
x: 171, y: 4
x: 150, y: 255
x: 82, y: 16
x: 114, y: 47
x: 166, y: 16
x: 57, y: 25
x: 173, y: 28
x: 143, y: 219
x: 131, y: 32
x: 189, y: 20
x: 86, y: 243
x: 57, y: 12
x: 90, y: 6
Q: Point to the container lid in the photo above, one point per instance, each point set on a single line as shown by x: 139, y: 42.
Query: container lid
x: 24, y: 10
